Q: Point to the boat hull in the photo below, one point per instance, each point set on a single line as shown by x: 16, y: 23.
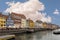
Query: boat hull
x: 56, y: 32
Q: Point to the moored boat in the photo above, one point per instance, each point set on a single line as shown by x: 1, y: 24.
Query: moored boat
x: 56, y: 31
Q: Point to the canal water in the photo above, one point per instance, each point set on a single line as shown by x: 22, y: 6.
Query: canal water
x: 42, y: 35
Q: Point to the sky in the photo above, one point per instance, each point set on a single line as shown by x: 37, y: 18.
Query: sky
x: 47, y: 10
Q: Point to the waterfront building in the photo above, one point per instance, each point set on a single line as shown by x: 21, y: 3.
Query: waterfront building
x: 49, y: 26
x: 3, y: 20
x: 54, y: 26
x: 27, y: 23
x: 23, y: 23
x: 18, y: 20
x: 38, y: 24
x: 44, y: 25
x: 9, y: 22
x: 30, y: 23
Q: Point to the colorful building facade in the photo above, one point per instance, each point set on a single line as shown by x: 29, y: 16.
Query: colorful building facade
x: 44, y: 24
x: 9, y: 22
x: 23, y: 23
x: 38, y: 24
x: 30, y: 23
x: 19, y: 20
x: 3, y: 19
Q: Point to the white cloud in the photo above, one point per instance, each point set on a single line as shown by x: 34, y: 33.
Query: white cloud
x: 29, y: 9
x: 10, y: 3
x: 56, y: 12
x: 46, y: 19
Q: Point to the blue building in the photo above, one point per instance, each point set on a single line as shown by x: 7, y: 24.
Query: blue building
x: 9, y: 21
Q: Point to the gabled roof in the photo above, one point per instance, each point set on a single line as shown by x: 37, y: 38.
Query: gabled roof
x: 4, y: 16
x: 30, y: 20
x: 19, y: 15
x: 39, y: 21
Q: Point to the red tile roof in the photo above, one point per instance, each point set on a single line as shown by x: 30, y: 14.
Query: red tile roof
x: 4, y: 16
x: 17, y: 15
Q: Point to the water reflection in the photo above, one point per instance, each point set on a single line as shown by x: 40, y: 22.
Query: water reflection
x: 32, y: 36
x: 45, y: 35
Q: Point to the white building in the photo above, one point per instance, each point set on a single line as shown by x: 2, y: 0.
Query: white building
x: 23, y: 23
x: 38, y: 24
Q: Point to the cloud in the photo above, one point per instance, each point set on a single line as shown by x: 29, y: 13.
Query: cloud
x: 29, y: 9
x: 46, y: 18
x: 56, y: 12
x: 10, y: 3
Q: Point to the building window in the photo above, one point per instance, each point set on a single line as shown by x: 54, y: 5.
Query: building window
x: 4, y: 21
x: 1, y: 25
x: 4, y: 25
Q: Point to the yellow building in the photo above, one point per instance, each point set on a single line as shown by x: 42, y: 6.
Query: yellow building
x: 31, y: 24
x: 44, y: 25
x: 2, y: 21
